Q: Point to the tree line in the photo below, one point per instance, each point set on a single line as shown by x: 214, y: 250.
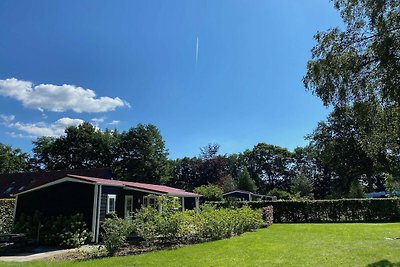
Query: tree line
x: 332, y: 165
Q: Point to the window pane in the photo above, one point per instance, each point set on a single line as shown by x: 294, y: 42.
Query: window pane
x: 112, y: 204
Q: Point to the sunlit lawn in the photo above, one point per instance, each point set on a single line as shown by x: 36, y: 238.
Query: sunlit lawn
x: 279, y: 245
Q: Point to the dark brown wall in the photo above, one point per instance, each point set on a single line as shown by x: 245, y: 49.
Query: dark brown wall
x: 68, y: 198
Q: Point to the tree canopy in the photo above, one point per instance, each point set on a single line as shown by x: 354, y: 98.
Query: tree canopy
x: 13, y: 160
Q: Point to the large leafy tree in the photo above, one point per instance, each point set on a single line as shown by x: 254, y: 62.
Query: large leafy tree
x: 362, y: 61
x: 337, y: 143
x: 83, y: 146
x: 142, y: 155
x: 208, y: 168
x: 307, y: 163
x: 13, y: 159
x: 184, y: 172
x: 359, y: 65
x: 268, y: 165
x: 245, y: 182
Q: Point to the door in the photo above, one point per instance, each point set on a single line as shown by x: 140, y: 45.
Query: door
x: 128, y: 206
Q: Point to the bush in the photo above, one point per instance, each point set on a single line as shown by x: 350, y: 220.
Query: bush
x: 339, y: 210
x: 189, y: 226
x: 210, y: 192
x: 6, y: 215
x: 280, y: 194
x: 65, y: 231
x: 115, y: 231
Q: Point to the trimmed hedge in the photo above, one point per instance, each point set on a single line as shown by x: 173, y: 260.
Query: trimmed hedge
x: 6, y: 215
x: 331, y: 211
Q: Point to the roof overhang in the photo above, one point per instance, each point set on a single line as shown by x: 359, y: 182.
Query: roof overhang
x: 77, y: 180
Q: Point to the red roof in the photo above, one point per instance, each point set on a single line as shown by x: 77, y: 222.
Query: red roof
x: 14, y: 183
x: 148, y: 187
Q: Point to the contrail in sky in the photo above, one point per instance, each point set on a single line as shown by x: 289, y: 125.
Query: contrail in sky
x: 197, y: 49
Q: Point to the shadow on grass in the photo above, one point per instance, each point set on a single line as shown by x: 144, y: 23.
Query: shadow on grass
x: 384, y: 263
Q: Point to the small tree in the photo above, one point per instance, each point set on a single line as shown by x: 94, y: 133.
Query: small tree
x: 390, y: 185
x: 356, y: 190
x: 115, y: 231
x: 227, y: 183
x: 280, y: 194
x: 302, y: 185
x: 210, y: 192
x: 245, y: 182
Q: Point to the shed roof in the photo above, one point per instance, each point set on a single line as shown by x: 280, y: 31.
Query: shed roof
x: 151, y: 188
x: 14, y: 183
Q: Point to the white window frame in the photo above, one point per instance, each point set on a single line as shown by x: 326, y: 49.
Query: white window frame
x: 147, y: 199
x: 109, y: 197
x: 128, y: 213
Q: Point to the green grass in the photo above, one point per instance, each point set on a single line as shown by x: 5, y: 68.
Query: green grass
x: 279, y: 245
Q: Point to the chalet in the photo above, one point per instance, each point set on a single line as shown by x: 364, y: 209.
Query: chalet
x: 95, y: 198
x: 247, y: 196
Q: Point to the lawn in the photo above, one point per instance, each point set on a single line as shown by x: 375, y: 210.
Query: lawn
x: 279, y: 245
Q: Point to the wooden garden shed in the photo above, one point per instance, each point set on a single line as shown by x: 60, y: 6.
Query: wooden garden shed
x: 94, y: 198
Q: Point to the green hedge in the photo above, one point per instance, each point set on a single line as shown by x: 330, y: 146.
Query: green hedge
x: 330, y: 211
x: 6, y: 215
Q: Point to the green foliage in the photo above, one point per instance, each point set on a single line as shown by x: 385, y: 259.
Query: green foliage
x: 209, y: 192
x: 114, y: 233
x: 280, y: 194
x: 360, y: 62
x: 268, y: 165
x: 6, y: 215
x: 82, y: 146
x: 330, y: 211
x: 245, y: 182
x: 389, y: 185
x: 357, y: 70
x: 302, y: 185
x: 189, y: 226
x: 65, y: 231
x: 142, y: 155
x: 227, y: 183
x: 208, y: 168
x: 138, y: 154
x: 13, y: 160
x: 338, y: 145
x: 356, y: 190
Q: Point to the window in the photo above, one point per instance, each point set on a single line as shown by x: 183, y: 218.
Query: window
x: 150, y: 201
x: 111, y: 199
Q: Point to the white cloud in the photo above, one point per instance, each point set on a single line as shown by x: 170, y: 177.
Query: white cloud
x: 19, y: 135
x: 38, y: 129
x: 98, y: 120
x: 7, y: 118
x: 58, y: 98
x: 114, y: 122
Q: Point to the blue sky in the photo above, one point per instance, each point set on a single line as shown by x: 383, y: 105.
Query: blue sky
x: 139, y: 60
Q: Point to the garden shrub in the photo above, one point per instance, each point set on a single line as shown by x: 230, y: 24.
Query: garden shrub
x: 173, y: 226
x: 114, y: 234
x: 339, y: 210
x: 65, y: 231
x: 190, y: 226
x: 6, y: 215
x: 210, y: 192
